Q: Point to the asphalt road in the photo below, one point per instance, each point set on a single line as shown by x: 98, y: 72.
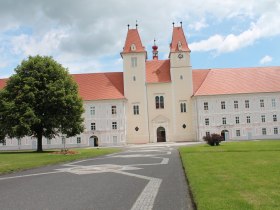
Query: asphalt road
x: 148, y: 177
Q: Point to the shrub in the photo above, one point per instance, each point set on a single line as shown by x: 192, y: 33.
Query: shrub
x: 213, y: 139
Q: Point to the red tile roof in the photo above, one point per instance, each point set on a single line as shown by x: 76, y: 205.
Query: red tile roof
x: 133, y: 38
x: 158, y: 71
x: 199, y: 76
x: 178, y: 35
x: 100, y: 86
x: 238, y: 80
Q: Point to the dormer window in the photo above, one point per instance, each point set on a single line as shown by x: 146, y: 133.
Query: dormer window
x: 133, y: 47
x: 179, y: 46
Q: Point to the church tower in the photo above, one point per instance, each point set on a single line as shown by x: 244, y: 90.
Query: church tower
x: 182, y: 86
x: 134, y: 76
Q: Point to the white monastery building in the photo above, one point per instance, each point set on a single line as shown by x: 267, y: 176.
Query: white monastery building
x: 168, y: 101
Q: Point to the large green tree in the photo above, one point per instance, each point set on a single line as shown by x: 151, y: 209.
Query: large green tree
x: 40, y: 100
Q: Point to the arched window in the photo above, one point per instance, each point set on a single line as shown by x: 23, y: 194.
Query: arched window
x: 159, y: 102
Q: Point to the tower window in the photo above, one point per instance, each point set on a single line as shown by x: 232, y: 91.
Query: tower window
x: 183, y: 107
x: 181, y: 77
x: 159, y: 102
x: 136, y: 109
x: 133, y: 62
x: 133, y: 47
x: 134, y: 78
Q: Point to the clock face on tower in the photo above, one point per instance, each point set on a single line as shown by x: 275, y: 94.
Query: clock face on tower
x: 180, y: 56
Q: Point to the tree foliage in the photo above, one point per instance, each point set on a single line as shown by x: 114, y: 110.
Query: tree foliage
x: 40, y: 100
x: 213, y: 139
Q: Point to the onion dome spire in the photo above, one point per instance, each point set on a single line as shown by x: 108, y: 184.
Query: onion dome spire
x: 155, y: 52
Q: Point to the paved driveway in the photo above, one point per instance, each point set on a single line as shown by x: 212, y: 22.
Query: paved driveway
x: 146, y: 177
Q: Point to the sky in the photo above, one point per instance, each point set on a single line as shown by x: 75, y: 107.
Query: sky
x: 88, y: 35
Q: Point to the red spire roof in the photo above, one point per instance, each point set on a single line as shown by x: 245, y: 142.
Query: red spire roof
x: 133, y: 38
x: 179, y: 36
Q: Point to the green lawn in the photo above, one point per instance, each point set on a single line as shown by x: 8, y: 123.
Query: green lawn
x: 20, y: 160
x: 236, y: 175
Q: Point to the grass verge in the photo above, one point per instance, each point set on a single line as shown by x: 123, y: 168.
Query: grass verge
x: 235, y: 175
x: 11, y: 161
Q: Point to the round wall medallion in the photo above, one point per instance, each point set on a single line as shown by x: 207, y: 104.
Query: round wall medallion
x: 136, y: 128
x: 184, y: 126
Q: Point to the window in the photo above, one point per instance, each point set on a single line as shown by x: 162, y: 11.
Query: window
x: 92, y: 110
x: 183, y: 107
x: 114, y: 125
x: 114, y: 109
x: 134, y: 78
x: 248, y: 119
x: 181, y: 77
x: 273, y: 102
x: 247, y: 105
x: 159, y: 102
x: 206, y: 121
x: 136, y: 109
x: 224, y: 121
x: 261, y: 103
x: 275, y: 131
x: 263, y: 118
x: 235, y: 104
x: 237, y: 120
x: 78, y: 140
x: 205, y: 105
x: 133, y: 62
x: 207, y: 133
x: 274, y: 118
x: 4, y: 142
x: 223, y: 105
x: 48, y: 141
x: 237, y: 132
x: 92, y: 126
x: 263, y: 131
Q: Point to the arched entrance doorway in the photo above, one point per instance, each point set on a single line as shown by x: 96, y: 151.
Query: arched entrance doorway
x: 93, y: 141
x: 161, y: 135
x: 224, y: 134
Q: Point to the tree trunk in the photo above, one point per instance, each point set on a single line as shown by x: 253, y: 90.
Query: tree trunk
x: 39, y: 144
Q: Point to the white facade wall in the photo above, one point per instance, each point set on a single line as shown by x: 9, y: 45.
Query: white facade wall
x: 103, y: 119
x: 252, y: 130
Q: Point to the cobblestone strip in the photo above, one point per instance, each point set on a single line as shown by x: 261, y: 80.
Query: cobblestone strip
x: 148, y: 195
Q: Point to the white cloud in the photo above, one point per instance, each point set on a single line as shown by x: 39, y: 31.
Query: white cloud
x: 46, y: 45
x: 266, y: 25
x: 197, y: 26
x: 266, y: 59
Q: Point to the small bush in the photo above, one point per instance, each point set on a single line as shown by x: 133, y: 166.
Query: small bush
x: 213, y: 139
